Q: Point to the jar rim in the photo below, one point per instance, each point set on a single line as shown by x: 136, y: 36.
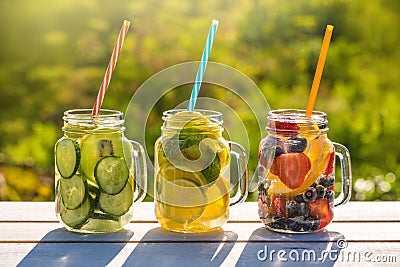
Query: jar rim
x: 211, y: 115
x: 106, y: 118
x: 297, y: 116
x: 86, y: 112
x: 295, y: 111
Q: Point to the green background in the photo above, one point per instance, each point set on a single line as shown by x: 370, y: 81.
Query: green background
x: 53, y: 55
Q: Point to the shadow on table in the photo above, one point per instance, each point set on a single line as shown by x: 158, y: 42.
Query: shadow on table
x: 163, y: 248
x: 278, y: 249
x: 62, y: 248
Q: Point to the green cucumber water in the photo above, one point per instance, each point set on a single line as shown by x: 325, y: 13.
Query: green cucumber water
x: 94, y: 181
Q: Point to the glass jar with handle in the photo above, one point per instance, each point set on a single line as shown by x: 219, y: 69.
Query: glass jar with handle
x: 99, y: 173
x: 296, y: 190
x: 192, y: 172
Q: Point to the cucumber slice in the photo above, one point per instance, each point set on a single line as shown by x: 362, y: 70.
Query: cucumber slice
x: 73, y: 191
x: 111, y: 174
x: 105, y: 216
x: 95, y: 147
x: 67, y: 157
x: 119, y: 204
x: 94, y: 189
x: 76, y: 218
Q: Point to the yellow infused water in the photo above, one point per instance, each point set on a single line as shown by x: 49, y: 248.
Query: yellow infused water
x: 192, y: 174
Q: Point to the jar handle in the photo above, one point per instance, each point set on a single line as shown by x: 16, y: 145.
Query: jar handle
x: 140, y: 171
x: 240, y: 153
x: 345, y: 165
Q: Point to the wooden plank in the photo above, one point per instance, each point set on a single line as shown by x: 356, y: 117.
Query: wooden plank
x: 245, y: 212
x: 31, y: 236
x: 198, y: 254
x: 27, y: 211
x: 239, y: 232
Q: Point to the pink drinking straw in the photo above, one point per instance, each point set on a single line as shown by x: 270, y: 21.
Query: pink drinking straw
x: 110, y: 68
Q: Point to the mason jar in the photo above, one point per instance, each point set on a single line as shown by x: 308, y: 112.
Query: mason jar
x: 296, y: 191
x: 192, y: 172
x: 99, y: 173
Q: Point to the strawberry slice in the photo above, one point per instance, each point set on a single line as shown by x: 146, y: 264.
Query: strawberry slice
x: 331, y: 164
x: 279, y: 206
x: 320, y: 209
x: 284, y: 128
x: 291, y: 169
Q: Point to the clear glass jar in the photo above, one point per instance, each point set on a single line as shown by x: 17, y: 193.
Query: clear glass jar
x: 99, y: 173
x: 192, y: 172
x: 297, y: 172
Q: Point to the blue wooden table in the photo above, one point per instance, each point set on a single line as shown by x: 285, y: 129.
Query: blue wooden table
x: 362, y: 234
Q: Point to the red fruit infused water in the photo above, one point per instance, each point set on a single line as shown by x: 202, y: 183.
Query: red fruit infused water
x: 297, y: 172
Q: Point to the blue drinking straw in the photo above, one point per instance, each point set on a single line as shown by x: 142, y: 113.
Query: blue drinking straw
x: 203, y: 65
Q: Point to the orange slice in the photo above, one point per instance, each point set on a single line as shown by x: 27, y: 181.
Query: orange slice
x: 309, y: 130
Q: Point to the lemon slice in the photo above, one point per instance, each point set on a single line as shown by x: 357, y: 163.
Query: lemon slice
x: 182, y: 200
x: 170, y: 173
x: 223, y: 153
x: 187, y: 119
x: 218, y: 200
x: 188, y: 114
x: 218, y: 189
x: 182, y: 193
x: 192, y: 119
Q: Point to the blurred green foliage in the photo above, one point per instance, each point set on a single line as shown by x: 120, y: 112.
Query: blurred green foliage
x: 53, y: 55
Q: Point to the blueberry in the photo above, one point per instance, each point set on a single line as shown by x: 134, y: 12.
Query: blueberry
x: 315, y: 224
x: 310, y: 194
x: 295, y: 224
x: 331, y: 180
x: 277, y: 222
x: 312, y: 224
x: 292, y: 207
x: 326, y: 181
x: 297, y: 144
x: 303, y: 209
x: 298, y: 198
x: 330, y: 194
x: 307, y: 225
x: 279, y: 151
x: 320, y: 191
x: 323, y: 181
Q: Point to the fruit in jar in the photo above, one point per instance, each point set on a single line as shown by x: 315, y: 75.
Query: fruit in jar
x: 291, y: 169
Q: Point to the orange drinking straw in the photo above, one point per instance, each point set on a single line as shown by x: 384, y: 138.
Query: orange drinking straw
x: 318, y: 71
